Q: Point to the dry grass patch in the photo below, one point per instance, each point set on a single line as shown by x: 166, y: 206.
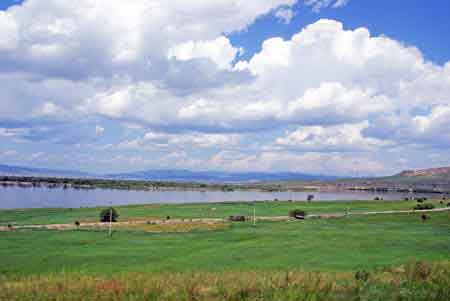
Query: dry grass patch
x: 166, y: 227
x: 407, y: 282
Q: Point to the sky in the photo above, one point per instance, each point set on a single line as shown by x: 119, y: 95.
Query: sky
x: 335, y: 87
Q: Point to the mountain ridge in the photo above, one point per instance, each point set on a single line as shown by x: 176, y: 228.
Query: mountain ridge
x: 442, y: 172
x: 175, y: 175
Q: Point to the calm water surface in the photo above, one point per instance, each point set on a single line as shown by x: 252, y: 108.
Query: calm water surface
x: 41, y: 197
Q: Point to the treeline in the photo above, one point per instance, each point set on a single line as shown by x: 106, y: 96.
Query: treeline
x: 56, y: 182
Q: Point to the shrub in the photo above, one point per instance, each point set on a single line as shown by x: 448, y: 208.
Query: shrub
x: 362, y: 275
x: 418, y: 271
x: 236, y: 218
x: 421, y: 200
x: 424, y: 217
x: 77, y: 224
x: 109, y: 214
x: 448, y: 204
x: 425, y: 206
x: 297, y: 213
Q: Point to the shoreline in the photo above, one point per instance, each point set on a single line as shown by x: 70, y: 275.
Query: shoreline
x: 375, y: 186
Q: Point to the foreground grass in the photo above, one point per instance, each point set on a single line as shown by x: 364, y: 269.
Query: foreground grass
x: 212, y: 210
x: 346, y: 244
x: 413, y: 281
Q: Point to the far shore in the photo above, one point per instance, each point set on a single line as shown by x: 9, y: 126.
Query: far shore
x: 372, y: 185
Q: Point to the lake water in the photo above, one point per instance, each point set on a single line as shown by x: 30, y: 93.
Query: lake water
x: 40, y: 197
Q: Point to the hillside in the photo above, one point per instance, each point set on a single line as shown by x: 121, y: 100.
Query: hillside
x: 440, y: 172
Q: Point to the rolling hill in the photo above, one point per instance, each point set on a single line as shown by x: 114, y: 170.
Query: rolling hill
x: 432, y: 173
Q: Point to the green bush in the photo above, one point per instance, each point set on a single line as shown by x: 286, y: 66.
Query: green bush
x: 424, y: 206
x: 421, y: 200
x: 297, y: 213
x: 362, y: 275
x: 105, y: 215
x: 237, y: 218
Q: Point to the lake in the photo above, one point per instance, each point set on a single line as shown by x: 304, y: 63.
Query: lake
x: 12, y: 197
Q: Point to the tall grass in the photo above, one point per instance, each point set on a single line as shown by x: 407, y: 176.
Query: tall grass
x: 413, y: 281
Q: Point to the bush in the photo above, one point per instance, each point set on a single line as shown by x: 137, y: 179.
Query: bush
x: 362, y: 275
x: 105, y: 215
x: 425, y: 206
x: 236, y: 218
x: 421, y: 200
x: 77, y: 224
x: 297, y: 213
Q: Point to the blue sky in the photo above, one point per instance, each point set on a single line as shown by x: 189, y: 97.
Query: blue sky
x: 419, y: 23
x: 344, y: 87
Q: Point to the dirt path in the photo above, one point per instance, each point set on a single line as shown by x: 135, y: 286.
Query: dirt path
x: 124, y: 223
x: 212, y: 220
x: 341, y: 215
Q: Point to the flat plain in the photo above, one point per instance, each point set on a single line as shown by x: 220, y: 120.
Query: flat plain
x: 340, y: 246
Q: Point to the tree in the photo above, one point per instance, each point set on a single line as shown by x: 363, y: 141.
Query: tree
x: 109, y: 214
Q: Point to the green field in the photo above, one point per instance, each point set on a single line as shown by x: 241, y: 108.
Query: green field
x: 342, y: 245
x: 217, y: 210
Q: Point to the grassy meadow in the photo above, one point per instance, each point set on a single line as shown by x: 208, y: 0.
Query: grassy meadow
x: 210, y: 210
x: 143, y: 262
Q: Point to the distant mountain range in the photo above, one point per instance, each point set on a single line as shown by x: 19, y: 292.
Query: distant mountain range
x: 184, y: 175
x: 175, y: 175
x: 216, y: 176
x: 9, y: 170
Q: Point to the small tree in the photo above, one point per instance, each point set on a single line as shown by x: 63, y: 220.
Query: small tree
x: 77, y: 224
x: 109, y: 214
